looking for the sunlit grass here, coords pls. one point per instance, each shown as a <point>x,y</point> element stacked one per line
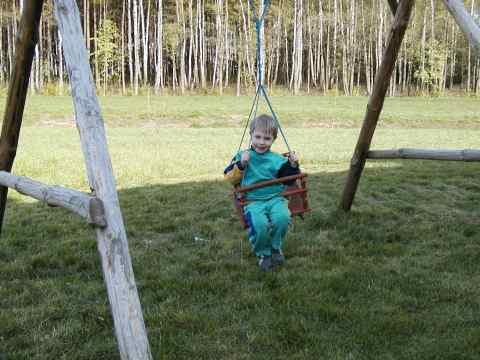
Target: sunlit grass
<point>229,111</point>
<point>397,278</point>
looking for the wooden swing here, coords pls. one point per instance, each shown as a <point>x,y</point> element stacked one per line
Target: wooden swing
<point>296,193</point>
<point>296,185</point>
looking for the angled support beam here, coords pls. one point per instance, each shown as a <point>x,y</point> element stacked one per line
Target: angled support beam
<point>88,207</point>
<point>426,154</point>
<point>464,20</point>
<point>375,103</point>
<point>111,240</point>
<point>27,39</point>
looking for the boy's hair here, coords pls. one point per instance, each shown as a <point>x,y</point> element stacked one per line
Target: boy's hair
<point>266,124</point>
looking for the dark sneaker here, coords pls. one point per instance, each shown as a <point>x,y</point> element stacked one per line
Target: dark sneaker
<point>265,263</point>
<point>277,257</point>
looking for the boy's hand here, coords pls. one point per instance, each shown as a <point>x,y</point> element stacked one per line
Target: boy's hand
<point>293,158</point>
<point>245,158</point>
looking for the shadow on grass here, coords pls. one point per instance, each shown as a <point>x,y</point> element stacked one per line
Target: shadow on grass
<point>395,278</point>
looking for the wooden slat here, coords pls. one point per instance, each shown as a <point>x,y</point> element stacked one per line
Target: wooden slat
<point>426,154</point>
<point>88,207</point>
<point>17,92</point>
<point>112,240</point>
<point>268,183</point>
<point>375,103</point>
<point>287,193</point>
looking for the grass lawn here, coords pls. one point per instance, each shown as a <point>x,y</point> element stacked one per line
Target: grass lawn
<point>228,111</point>
<point>397,278</point>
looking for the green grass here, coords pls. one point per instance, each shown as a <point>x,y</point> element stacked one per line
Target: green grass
<point>397,278</point>
<point>228,111</point>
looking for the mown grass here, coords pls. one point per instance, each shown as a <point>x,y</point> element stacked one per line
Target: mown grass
<point>397,278</point>
<point>228,111</point>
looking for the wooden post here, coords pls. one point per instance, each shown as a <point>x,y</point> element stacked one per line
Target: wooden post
<point>375,104</point>
<point>426,154</point>
<point>87,206</point>
<point>27,39</point>
<point>465,22</point>
<point>112,240</point>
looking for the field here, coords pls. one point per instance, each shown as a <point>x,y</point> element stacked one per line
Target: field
<point>396,278</point>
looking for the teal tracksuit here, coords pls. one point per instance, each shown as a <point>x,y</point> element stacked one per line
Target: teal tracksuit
<point>267,214</point>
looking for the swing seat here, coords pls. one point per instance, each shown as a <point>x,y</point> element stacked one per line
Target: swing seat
<point>296,194</point>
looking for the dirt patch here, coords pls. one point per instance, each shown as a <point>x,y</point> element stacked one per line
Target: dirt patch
<point>64,122</point>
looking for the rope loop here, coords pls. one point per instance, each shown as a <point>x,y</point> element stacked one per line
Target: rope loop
<point>260,88</point>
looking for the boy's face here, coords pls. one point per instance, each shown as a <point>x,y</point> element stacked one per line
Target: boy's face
<point>261,141</point>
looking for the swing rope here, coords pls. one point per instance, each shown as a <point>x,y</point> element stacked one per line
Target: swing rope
<point>260,88</point>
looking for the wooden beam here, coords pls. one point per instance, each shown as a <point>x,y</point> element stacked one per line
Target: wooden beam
<point>26,41</point>
<point>375,103</point>
<point>88,207</point>
<point>426,154</point>
<point>464,20</point>
<point>111,240</point>
<point>270,182</point>
<point>393,6</point>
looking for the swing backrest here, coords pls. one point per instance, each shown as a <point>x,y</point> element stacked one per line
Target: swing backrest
<point>296,193</point>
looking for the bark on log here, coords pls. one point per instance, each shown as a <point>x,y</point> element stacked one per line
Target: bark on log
<point>426,154</point>
<point>88,207</point>
<point>112,240</point>
<point>465,22</point>
<point>375,104</point>
<point>17,92</point>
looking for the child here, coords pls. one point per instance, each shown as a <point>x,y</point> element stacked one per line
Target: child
<point>267,214</point>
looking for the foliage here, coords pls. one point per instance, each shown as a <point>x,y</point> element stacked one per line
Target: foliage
<point>434,64</point>
<point>339,32</point>
<point>107,48</point>
<point>172,34</point>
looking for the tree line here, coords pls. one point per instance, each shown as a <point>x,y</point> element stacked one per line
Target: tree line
<point>327,46</point>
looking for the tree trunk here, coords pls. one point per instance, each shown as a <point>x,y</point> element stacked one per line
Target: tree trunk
<point>95,48</point>
<point>159,80</point>
<point>181,20</point>
<point>60,63</point>
<point>226,60</point>
<point>190,43</point>
<point>136,47</point>
<point>202,45</point>
<point>122,60</point>
<point>217,43</point>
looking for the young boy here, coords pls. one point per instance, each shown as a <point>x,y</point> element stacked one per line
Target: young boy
<point>267,214</point>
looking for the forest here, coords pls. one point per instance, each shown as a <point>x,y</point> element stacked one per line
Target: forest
<point>209,46</point>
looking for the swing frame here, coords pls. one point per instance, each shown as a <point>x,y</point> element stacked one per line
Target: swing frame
<point>295,193</point>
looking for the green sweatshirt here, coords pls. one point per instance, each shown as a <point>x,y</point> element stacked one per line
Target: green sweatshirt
<point>261,167</point>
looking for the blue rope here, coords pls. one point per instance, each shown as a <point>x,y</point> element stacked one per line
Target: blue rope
<point>258,26</point>
<point>275,118</point>
<point>255,102</point>
<point>260,87</point>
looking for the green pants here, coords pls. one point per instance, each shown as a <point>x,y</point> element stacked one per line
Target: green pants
<point>267,224</point>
